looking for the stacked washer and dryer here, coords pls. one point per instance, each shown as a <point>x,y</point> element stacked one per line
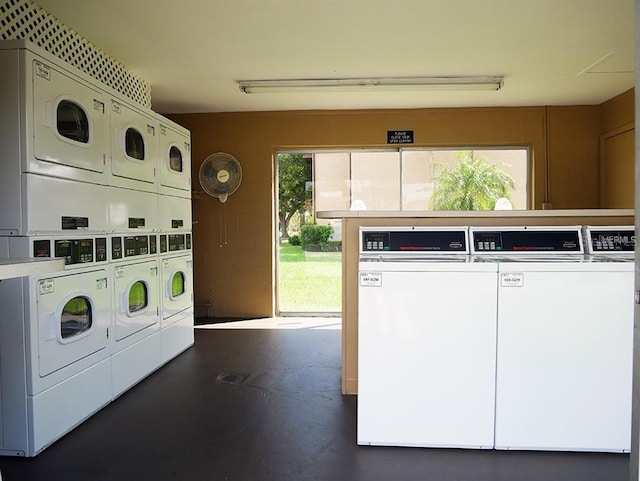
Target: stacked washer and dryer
<point>93,177</point>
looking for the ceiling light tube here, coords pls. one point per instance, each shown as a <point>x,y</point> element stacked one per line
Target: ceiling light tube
<point>370,84</point>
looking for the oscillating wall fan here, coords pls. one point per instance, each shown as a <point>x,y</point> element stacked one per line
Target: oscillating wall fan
<point>220,175</point>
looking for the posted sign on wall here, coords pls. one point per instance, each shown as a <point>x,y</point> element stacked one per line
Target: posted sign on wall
<point>399,136</point>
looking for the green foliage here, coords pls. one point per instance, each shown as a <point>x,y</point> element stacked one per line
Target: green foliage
<point>473,184</point>
<point>293,174</point>
<point>294,240</point>
<point>312,234</point>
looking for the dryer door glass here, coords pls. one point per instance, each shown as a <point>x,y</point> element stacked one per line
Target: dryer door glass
<point>72,121</point>
<point>76,318</point>
<point>175,159</point>
<point>134,144</point>
<point>177,285</point>
<point>138,297</point>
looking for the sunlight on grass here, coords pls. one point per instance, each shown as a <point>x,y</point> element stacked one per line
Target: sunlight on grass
<point>310,281</point>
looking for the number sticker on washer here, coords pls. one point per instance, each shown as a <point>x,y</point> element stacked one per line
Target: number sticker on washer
<point>511,279</point>
<point>45,286</point>
<point>101,283</point>
<point>370,279</point>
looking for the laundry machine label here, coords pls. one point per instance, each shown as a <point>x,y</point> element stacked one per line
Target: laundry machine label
<point>370,279</point>
<point>42,71</point>
<point>45,286</point>
<point>511,279</point>
<point>118,272</point>
<point>101,283</point>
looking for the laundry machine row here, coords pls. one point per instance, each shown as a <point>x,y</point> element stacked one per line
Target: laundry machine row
<point>72,341</point>
<point>105,183</point>
<point>551,327</point>
<point>61,128</point>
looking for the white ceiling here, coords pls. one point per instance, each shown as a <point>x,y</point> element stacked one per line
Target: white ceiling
<point>193,52</point>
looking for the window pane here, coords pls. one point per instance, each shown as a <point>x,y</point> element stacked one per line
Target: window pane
<point>375,180</point>
<point>76,317</point>
<point>138,297</point>
<point>331,181</point>
<point>134,144</point>
<point>482,176</point>
<point>72,121</point>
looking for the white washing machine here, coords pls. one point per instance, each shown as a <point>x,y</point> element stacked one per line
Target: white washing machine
<point>56,113</point>
<point>564,351</point>
<point>176,294</point>
<point>174,153</point>
<point>135,323</point>
<point>55,369</point>
<point>134,146</point>
<point>426,339</point>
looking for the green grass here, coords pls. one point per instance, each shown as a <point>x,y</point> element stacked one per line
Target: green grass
<point>310,281</point>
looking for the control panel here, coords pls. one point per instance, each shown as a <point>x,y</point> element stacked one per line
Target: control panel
<point>73,251</point>
<point>414,240</point>
<point>609,240</point>
<point>526,240</point>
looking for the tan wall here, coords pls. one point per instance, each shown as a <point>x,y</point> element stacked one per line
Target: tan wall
<point>617,154</point>
<point>234,242</point>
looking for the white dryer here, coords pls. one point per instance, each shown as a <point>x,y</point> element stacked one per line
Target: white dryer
<point>564,351</point>
<point>56,114</point>
<point>55,369</point>
<point>426,339</point>
<point>176,294</point>
<point>174,153</point>
<point>134,154</point>
<point>135,319</point>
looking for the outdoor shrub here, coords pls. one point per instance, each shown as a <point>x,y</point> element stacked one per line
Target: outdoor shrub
<point>294,240</point>
<point>312,234</point>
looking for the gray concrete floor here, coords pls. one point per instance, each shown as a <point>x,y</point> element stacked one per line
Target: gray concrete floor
<point>261,401</point>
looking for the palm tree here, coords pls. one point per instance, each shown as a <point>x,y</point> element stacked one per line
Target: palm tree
<point>473,184</point>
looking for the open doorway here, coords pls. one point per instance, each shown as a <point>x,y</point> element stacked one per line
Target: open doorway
<point>309,251</point>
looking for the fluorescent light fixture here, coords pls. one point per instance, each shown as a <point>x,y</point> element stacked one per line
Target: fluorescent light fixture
<point>372,84</point>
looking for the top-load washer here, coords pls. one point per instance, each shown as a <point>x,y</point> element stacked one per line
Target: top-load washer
<point>564,345</point>
<point>426,339</point>
<point>174,154</point>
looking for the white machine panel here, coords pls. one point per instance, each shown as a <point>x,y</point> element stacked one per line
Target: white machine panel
<point>426,360</point>
<point>174,151</point>
<point>52,205</point>
<point>564,357</point>
<point>133,147</point>
<point>132,210</point>
<point>174,214</point>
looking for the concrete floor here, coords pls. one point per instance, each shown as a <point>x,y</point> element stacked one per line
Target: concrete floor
<point>260,401</point>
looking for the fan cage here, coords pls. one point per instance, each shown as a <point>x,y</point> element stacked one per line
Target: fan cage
<point>209,170</point>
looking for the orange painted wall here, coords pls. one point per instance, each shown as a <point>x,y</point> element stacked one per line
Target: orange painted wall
<point>234,242</point>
